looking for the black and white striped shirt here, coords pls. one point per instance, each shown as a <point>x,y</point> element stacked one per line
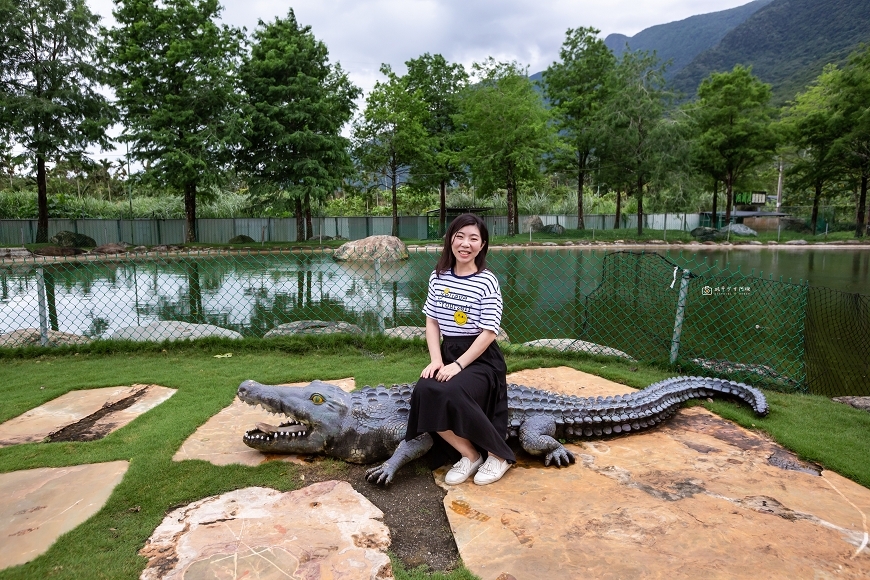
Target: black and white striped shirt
<point>464,305</point>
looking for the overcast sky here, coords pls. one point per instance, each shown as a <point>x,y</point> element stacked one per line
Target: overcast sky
<point>362,34</point>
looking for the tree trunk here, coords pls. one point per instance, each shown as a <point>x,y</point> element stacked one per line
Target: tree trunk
<point>516,197</point>
<point>581,178</point>
<point>442,208</point>
<point>394,178</point>
<point>814,219</point>
<point>300,220</point>
<point>713,220</point>
<point>309,228</point>
<point>512,217</point>
<point>862,206</point>
<point>639,206</point>
<point>729,196</point>
<point>41,201</point>
<point>618,208</point>
<point>189,211</point>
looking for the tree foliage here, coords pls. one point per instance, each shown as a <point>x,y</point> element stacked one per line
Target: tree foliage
<point>296,105</point>
<point>174,72</point>
<point>49,101</point>
<point>506,130</point>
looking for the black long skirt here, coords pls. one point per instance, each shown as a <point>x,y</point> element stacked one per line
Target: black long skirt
<point>472,404</point>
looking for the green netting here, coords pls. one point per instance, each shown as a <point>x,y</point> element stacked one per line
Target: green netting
<point>640,305</point>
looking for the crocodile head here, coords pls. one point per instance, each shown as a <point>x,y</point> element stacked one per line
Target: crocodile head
<point>312,416</point>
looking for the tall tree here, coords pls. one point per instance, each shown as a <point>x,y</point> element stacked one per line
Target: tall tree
<point>296,105</point>
<point>174,72</point>
<point>576,86</point>
<point>638,137</point>
<point>809,126</point>
<point>732,125</point>
<point>48,85</point>
<point>390,138</point>
<point>851,121</point>
<point>506,129</point>
<point>439,84</point>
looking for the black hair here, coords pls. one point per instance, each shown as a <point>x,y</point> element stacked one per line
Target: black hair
<point>447,260</point>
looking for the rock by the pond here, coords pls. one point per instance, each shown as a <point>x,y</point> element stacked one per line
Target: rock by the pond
<point>32,337</point>
<point>420,332</point>
<point>383,248</point>
<point>325,530</point>
<point>241,239</point>
<point>171,330</point>
<point>706,234</point>
<point>113,248</point>
<point>38,505</point>
<point>534,223</point>
<point>67,239</point>
<point>555,229</point>
<point>796,243</point>
<point>15,253</point>
<point>57,251</point>
<point>739,230</point>
<point>314,327</point>
<point>574,345</point>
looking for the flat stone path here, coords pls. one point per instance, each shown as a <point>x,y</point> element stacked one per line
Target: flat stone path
<point>697,497</point>
<point>323,531</point>
<point>38,505</point>
<point>70,408</point>
<point>219,440</point>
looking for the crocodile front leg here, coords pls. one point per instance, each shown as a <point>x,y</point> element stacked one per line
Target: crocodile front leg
<point>406,451</point>
<point>536,437</point>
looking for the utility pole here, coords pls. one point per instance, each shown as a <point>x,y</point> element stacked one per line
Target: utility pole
<point>779,187</point>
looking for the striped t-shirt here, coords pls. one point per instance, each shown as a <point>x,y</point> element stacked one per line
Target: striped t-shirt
<point>464,305</point>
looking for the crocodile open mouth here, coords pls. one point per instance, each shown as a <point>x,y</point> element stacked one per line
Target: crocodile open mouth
<point>286,431</point>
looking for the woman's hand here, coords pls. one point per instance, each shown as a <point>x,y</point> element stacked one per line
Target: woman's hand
<point>447,372</point>
<point>431,370</point>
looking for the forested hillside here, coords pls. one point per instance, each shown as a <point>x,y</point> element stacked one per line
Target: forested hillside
<point>787,43</point>
<point>682,41</point>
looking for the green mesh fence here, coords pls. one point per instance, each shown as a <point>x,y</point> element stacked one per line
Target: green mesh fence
<point>636,305</point>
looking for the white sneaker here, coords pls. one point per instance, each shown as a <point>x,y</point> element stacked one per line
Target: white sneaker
<point>491,471</point>
<point>462,470</point>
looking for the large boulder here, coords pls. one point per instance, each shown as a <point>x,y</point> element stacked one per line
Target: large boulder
<point>555,229</point>
<point>383,248</point>
<point>171,330</point>
<point>739,230</point>
<point>241,239</point>
<point>705,234</point>
<point>534,223</point>
<point>67,239</point>
<point>314,327</point>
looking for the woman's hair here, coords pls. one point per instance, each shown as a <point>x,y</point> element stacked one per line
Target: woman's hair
<point>447,259</point>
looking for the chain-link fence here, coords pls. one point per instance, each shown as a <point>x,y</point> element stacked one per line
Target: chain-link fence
<point>637,305</point>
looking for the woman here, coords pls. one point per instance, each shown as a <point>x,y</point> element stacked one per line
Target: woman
<point>462,393</point>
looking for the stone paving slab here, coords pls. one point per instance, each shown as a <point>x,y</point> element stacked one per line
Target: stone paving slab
<point>695,498</point>
<point>37,424</point>
<point>219,440</point>
<point>323,531</point>
<point>39,505</point>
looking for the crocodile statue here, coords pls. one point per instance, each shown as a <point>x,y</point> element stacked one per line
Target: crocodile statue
<point>368,425</point>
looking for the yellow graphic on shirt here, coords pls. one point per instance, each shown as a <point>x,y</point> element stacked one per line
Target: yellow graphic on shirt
<point>460,317</point>
<point>446,291</point>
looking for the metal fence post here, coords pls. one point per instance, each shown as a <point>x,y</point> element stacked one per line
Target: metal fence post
<point>43,309</point>
<point>681,312</point>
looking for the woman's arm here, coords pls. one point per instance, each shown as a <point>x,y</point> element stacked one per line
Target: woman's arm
<point>433,341</point>
<point>480,344</point>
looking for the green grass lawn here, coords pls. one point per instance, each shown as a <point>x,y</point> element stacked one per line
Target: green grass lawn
<point>106,545</point>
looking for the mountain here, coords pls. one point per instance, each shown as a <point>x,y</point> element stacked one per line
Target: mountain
<point>787,43</point>
<point>682,41</point>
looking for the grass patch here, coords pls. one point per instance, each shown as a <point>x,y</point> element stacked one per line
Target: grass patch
<point>106,545</point>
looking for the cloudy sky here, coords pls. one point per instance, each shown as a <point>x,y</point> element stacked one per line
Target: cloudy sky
<point>362,34</point>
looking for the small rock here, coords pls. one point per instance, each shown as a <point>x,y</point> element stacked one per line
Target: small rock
<point>241,239</point>
<point>57,251</point>
<point>754,243</point>
<point>32,337</point>
<point>739,230</point>
<point>171,330</point>
<point>772,243</point>
<point>113,248</point>
<point>796,243</point>
<point>549,244</point>
<point>555,229</point>
<point>314,327</point>
<point>15,253</point>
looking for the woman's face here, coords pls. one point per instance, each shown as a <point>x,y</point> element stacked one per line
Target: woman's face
<point>466,245</point>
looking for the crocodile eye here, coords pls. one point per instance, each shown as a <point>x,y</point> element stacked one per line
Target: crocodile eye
<point>317,399</point>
